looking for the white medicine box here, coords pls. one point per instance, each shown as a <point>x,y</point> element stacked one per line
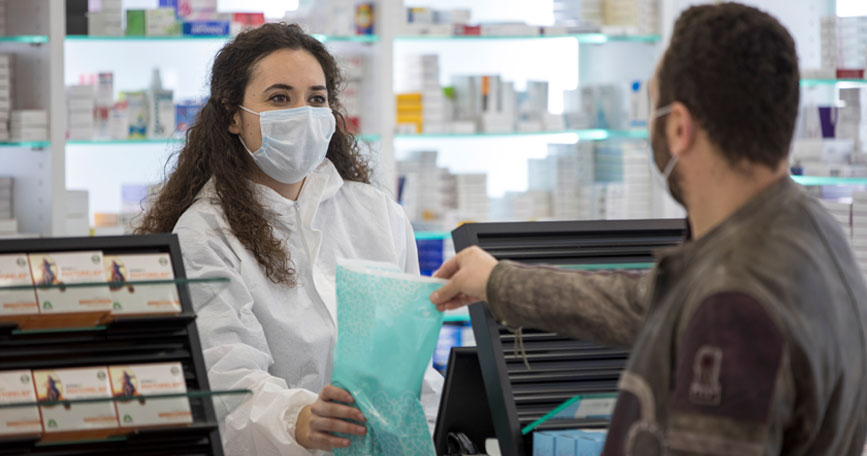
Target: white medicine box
<point>70,384</point>
<point>142,298</point>
<point>16,387</point>
<point>15,272</point>
<point>147,380</point>
<point>70,268</point>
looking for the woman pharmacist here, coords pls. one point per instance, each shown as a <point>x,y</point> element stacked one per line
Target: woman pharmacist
<point>270,191</point>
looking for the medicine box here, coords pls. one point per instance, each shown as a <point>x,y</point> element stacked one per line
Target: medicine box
<point>206,28</point>
<point>141,298</point>
<point>70,384</point>
<point>147,380</point>
<point>543,443</point>
<point>15,271</point>
<point>17,387</point>
<point>70,268</point>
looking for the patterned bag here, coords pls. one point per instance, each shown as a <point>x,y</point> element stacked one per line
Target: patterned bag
<point>387,331</point>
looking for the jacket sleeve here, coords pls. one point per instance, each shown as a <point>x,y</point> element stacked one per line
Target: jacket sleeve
<point>604,307</point>
<point>405,246</point>
<point>732,390</point>
<point>237,355</point>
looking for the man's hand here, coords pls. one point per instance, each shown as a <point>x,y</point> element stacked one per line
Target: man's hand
<point>317,422</point>
<point>468,273</point>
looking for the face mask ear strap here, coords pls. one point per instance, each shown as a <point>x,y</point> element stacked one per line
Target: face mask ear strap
<point>669,168</point>
<point>251,112</point>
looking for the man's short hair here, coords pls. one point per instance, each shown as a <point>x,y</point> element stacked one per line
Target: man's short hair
<point>736,70</point>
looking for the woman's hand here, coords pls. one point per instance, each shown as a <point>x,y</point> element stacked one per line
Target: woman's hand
<point>317,422</point>
<point>467,273</point>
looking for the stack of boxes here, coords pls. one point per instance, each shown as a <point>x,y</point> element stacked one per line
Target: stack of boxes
<point>29,125</point>
<point>426,191</point>
<point>637,182</point>
<point>108,20</point>
<point>568,175</point>
<point>77,213</point>
<point>8,225</point>
<point>844,47</point>
<point>410,118</point>
<point>430,22</point>
<point>632,17</point>
<point>352,66</point>
<point>425,108</point>
<point>828,32</point>
<point>852,45</point>
<point>579,14</point>
<point>859,229</point>
<point>472,196</point>
<point>80,104</point>
<point>584,442</point>
<point>5,94</point>
<point>153,22</point>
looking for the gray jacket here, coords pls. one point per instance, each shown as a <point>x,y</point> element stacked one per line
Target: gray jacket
<point>751,340</point>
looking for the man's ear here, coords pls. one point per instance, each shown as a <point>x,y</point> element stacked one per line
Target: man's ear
<point>680,129</point>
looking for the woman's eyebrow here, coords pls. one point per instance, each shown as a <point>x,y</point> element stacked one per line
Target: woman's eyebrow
<point>279,86</point>
<point>318,87</point>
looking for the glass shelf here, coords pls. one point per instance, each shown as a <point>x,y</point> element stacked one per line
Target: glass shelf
<point>27,144</point>
<point>189,394</point>
<point>589,38</point>
<point>583,135</point>
<point>817,181</point>
<point>119,142</point>
<point>174,140</point>
<point>368,138</point>
<point>461,315</point>
<point>221,280</point>
<point>811,82</point>
<point>432,235</point>
<point>32,39</point>
<point>320,37</point>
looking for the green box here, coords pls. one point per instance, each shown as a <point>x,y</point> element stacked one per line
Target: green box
<point>135,22</point>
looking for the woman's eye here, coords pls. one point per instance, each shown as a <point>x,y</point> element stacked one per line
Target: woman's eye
<point>279,98</point>
<point>318,99</point>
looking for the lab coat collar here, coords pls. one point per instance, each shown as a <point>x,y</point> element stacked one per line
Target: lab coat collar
<point>320,185</point>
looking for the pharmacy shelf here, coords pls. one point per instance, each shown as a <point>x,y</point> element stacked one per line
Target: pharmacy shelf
<point>583,135</point>
<point>818,181</point>
<point>26,144</point>
<point>587,38</point>
<point>323,38</point>
<point>176,140</point>
<point>31,39</point>
<point>93,400</point>
<point>811,82</point>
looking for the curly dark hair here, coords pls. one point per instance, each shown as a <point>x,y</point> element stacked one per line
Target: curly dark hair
<point>211,151</point>
<point>736,70</point>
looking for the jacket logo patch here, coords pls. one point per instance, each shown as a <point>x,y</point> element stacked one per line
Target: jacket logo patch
<point>705,388</point>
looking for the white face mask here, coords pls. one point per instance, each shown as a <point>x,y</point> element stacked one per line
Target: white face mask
<point>660,177</point>
<point>294,141</point>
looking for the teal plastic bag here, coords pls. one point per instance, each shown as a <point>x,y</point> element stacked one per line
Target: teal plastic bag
<point>387,331</point>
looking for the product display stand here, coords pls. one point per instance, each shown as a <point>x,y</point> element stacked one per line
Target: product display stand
<point>560,368</point>
<point>118,341</point>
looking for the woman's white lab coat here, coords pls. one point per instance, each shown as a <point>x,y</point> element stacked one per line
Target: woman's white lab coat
<point>274,339</point>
